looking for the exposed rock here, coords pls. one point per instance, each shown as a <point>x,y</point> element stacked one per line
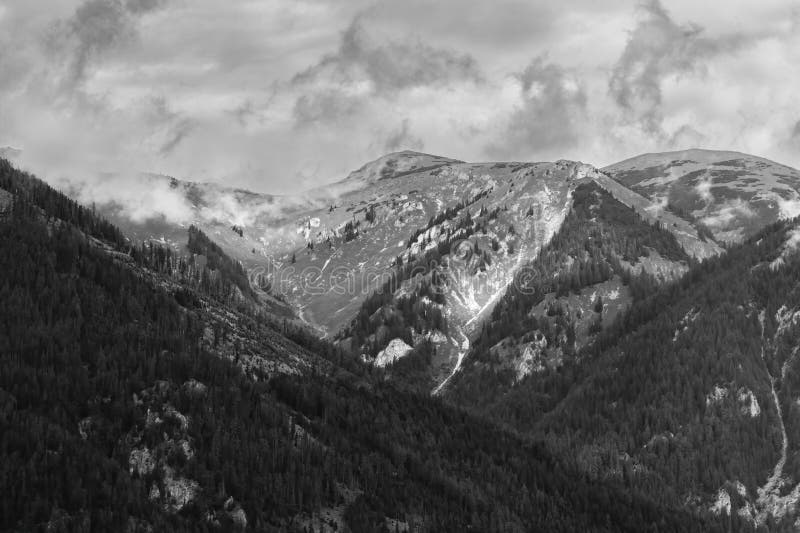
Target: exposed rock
<point>141,462</point>
<point>84,427</point>
<point>723,503</point>
<point>171,412</point>
<point>195,388</point>
<point>396,349</point>
<point>179,491</point>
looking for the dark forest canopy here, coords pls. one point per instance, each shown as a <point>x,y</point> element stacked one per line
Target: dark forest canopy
<point>118,414</point>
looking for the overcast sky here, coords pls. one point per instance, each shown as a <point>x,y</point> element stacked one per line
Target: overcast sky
<point>283,95</point>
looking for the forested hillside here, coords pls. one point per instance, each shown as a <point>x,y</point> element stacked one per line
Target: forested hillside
<point>133,399</point>
<point>690,395</point>
<point>603,257</point>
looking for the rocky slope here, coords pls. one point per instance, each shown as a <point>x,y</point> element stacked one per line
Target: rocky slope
<point>141,391</point>
<point>324,253</point>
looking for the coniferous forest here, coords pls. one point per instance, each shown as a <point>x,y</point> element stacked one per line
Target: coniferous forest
<point>121,409</point>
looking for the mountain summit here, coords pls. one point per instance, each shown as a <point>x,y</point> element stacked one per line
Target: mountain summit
<point>732,194</point>
<point>398,164</point>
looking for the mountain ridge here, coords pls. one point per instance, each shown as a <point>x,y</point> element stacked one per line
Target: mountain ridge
<point>154,406</point>
<point>386,211</point>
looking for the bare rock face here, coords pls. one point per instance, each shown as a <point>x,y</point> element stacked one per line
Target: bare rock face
<point>396,349</point>
<point>170,489</point>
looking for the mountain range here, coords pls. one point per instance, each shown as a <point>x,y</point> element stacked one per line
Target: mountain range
<point>425,345</point>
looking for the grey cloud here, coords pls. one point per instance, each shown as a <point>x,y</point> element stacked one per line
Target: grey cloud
<point>143,6</point>
<point>173,127</point>
<point>686,137</point>
<point>391,66</point>
<point>402,139</point>
<point>796,131</point>
<point>95,27</point>
<point>329,105</point>
<point>177,133</point>
<point>553,105</point>
<point>658,48</point>
<point>388,67</point>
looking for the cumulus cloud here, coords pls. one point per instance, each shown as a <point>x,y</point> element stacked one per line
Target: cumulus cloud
<point>390,66</point>
<point>364,66</point>
<point>549,117</point>
<point>96,27</point>
<point>659,48</point>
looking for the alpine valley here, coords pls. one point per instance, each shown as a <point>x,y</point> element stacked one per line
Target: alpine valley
<point>424,345</point>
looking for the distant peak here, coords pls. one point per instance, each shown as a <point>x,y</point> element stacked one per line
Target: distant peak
<point>696,155</point>
<point>396,164</point>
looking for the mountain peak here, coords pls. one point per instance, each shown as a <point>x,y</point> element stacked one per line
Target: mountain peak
<point>731,193</point>
<point>397,164</point>
<point>691,155</point>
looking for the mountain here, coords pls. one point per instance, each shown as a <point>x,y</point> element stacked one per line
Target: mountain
<point>416,249</point>
<point>690,393</point>
<point>142,389</point>
<point>326,252</point>
<point>734,195</point>
<point>398,164</point>
<point>601,357</point>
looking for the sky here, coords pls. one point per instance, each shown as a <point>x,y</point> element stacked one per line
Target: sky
<point>280,96</point>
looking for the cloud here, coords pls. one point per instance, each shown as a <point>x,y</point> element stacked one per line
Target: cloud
<point>364,67</point>
<point>143,6</point>
<point>728,212</point>
<point>796,132</point>
<point>402,139</point>
<point>135,196</point>
<point>703,190</point>
<point>96,27</point>
<point>550,115</point>
<point>169,127</point>
<point>659,48</point>
<point>390,66</point>
<point>686,137</point>
<point>328,105</point>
